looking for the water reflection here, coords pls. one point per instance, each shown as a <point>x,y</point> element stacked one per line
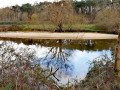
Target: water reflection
<point>71,58</point>
<point>59,58</point>
<point>89,45</point>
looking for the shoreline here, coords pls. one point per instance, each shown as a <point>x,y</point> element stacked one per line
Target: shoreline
<point>49,35</point>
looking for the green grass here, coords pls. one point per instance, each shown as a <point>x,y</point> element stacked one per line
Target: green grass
<point>47,26</point>
<point>89,29</point>
<point>83,27</point>
<point>10,23</point>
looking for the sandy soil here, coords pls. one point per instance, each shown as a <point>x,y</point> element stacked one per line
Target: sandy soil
<point>47,35</point>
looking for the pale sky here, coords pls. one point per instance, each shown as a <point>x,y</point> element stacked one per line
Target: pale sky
<point>5,3</point>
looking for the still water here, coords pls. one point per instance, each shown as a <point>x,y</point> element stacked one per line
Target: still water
<point>71,58</point>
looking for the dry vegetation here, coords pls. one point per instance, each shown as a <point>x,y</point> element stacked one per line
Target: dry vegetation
<point>19,72</point>
<point>105,15</point>
<point>108,19</point>
<point>100,76</point>
<point>59,14</point>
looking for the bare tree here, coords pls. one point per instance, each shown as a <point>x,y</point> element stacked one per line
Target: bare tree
<point>59,13</point>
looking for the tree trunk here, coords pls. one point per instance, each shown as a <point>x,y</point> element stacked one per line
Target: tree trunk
<point>117,61</point>
<point>21,14</point>
<point>60,27</point>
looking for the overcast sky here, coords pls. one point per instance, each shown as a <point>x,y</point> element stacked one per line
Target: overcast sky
<point>5,3</point>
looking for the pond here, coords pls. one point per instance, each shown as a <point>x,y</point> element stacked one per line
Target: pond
<point>69,58</point>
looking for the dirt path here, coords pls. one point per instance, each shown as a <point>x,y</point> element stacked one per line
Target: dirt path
<point>47,35</point>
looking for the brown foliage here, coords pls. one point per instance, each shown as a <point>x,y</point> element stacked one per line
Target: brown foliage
<point>61,13</point>
<point>6,14</point>
<point>108,19</point>
<point>18,73</point>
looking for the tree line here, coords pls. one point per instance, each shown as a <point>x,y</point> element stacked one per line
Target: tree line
<point>88,7</point>
<point>63,12</point>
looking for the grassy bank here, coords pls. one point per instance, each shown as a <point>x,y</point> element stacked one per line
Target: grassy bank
<point>50,28</point>
<point>75,27</point>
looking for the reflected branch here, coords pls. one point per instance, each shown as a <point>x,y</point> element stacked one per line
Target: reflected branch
<point>58,57</point>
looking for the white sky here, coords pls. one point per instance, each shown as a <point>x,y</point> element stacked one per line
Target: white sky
<point>5,3</point>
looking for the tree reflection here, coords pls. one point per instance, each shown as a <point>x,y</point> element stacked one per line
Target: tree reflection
<point>88,45</point>
<point>58,57</point>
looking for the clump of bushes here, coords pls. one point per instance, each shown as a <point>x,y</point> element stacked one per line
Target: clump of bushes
<point>13,28</point>
<point>108,19</point>
<point>16,28</point>
<point>100,76</point>
<point>19,72</point>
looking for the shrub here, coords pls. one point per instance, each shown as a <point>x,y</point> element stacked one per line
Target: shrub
<point>19,72</point>
<point>108,19</point>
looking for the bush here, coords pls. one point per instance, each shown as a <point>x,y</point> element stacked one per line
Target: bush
<point>100,76</point>
<point>19,72</point>
<point>13,28</point>
<point>108,19</point>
